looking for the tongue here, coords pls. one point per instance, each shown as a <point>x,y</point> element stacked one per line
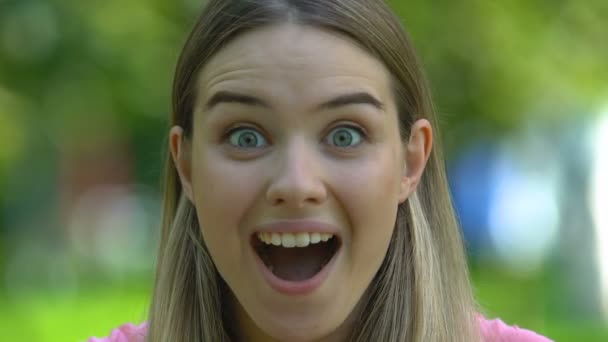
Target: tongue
<point>297,264</point>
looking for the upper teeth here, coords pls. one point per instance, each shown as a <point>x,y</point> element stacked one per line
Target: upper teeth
<point>290,240</point>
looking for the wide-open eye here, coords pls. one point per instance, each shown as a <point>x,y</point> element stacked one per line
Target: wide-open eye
<point>345,136</point>
<point>246,138</point>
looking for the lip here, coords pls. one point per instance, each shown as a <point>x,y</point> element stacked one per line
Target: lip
<point>297,226</point>
<point>296,288</point>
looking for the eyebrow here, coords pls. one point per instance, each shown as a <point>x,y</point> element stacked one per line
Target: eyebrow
<point>230,97</point>
<point>340,101</point>
<point>352,99</point>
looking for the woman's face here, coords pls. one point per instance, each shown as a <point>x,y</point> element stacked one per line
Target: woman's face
<point>296,168</point>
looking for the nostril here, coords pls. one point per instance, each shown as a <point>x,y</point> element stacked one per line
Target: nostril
<point>297,196</point>
<point>297,186</point>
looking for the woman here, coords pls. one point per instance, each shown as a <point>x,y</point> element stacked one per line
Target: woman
<point>305,197</point>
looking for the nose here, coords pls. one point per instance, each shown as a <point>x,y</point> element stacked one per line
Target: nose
<point>297,181</point>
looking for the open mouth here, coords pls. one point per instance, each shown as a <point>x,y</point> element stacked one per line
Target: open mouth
<point>295,257</point>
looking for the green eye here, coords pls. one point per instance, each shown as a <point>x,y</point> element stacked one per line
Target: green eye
<point>246,138</point>
<point>345,137</point>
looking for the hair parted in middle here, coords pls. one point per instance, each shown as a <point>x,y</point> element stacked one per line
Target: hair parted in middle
<point>421,291</point>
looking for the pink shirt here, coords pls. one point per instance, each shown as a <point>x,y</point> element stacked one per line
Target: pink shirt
<point>497,331</point>
<point>491,331</point>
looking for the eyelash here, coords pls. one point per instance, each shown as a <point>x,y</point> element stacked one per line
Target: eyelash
<point>357,128</point>
<point>361,131</point>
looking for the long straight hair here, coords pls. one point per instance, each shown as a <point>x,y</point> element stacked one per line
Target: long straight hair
<point>421,291</point>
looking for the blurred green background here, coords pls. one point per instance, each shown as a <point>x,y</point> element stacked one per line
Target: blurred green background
<point>522,92</point>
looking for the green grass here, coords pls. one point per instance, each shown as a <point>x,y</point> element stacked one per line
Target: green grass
<point>533,302</point>
<point>95,311</point>
<point>44,317</point>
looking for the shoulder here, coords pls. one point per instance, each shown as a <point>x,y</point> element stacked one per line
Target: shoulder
<point>125,333</point>
<point>497,331</point>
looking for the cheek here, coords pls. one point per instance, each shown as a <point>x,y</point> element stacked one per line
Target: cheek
<point>370,197</point>
<point>371,185</point>
<point>223,192</point>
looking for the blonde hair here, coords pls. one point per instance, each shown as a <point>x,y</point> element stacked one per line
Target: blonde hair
<point>421,291</point>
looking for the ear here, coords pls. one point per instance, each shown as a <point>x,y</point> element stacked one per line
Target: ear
<point>182,158</point>
<point>416,155</point>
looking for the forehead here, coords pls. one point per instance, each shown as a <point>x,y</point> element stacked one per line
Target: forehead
<point>296,59</point>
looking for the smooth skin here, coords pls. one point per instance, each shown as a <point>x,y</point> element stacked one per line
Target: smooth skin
<point>294,122</point>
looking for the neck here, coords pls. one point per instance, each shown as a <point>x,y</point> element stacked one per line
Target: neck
<point>247,330</point>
